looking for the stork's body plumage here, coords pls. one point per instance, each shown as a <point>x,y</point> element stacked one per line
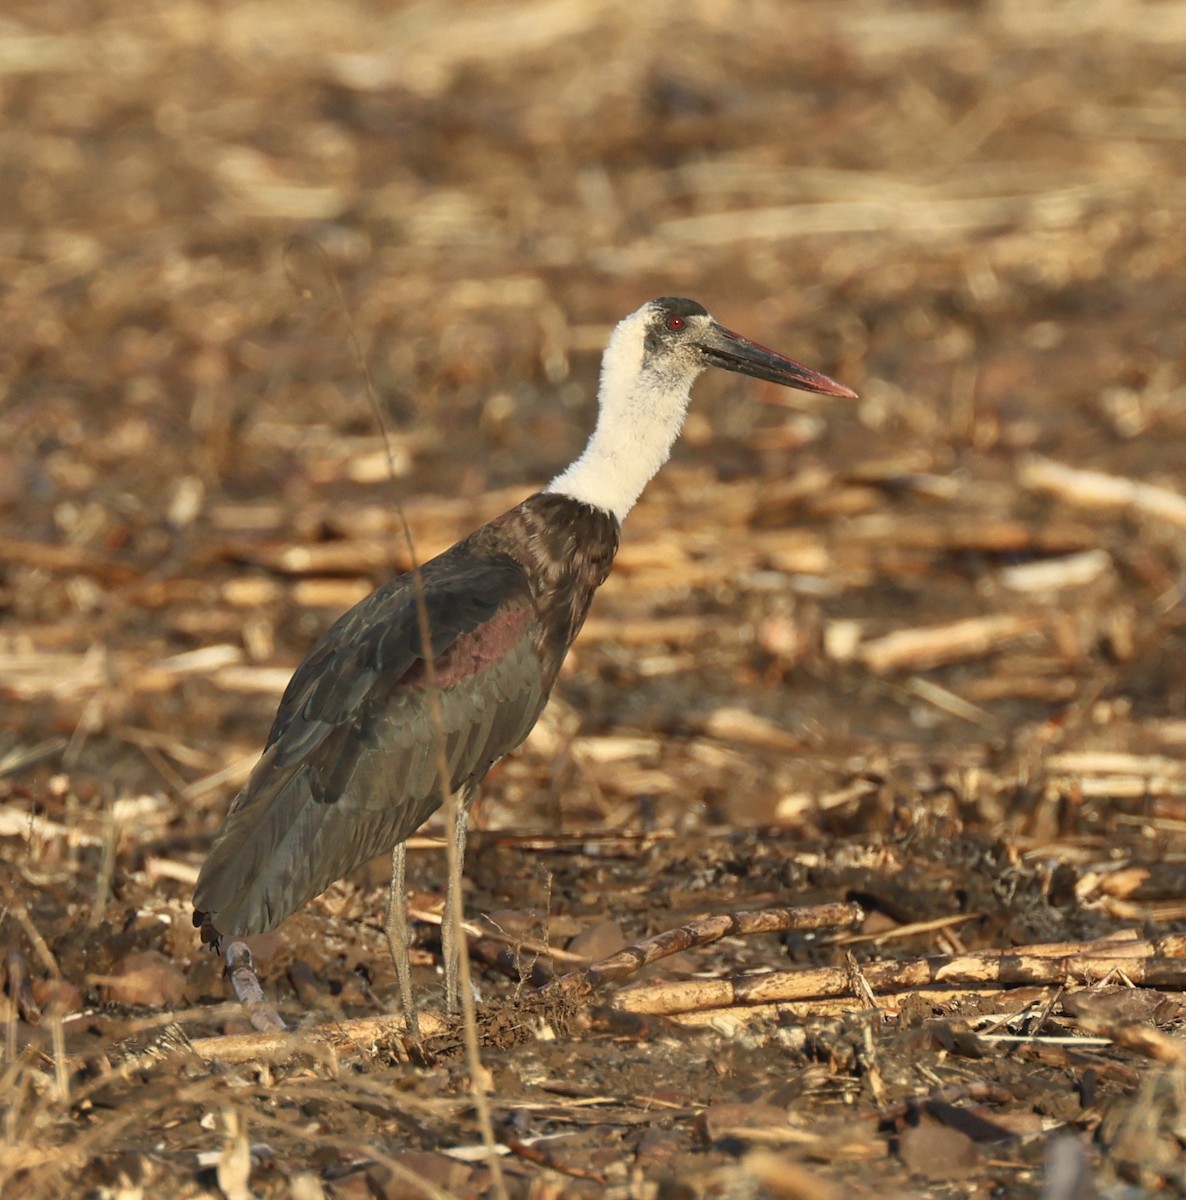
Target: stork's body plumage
<point>350,768</point>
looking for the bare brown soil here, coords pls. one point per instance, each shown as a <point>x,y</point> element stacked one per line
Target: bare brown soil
<point>923,652</point>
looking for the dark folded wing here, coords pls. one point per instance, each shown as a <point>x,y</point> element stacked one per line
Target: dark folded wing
<point>351,763</point>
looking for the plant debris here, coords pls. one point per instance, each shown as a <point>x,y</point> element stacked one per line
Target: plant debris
<point>913,665</point>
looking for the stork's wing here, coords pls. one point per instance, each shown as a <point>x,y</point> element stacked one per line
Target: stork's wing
<point>351,764</point>
<point>380,638</point>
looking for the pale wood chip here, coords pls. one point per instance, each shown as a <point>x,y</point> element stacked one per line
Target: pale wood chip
<point>1095,489</point>
<point>1057,574</point>
<point>939,645</point>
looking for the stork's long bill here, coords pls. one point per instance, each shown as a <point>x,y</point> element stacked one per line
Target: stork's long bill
<point>647,372</point>
<point>722,347</point>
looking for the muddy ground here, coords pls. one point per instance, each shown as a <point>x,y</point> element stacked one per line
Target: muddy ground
<point>922,652</point>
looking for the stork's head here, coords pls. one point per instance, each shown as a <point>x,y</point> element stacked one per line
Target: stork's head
<point>661,348</point>
<point>648,369</point>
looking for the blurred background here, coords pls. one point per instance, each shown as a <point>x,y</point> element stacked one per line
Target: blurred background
<point>225,225</point>
<point>233,236</point>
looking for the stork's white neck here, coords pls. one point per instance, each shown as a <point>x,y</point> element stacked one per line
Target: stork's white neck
<point>641,411</point>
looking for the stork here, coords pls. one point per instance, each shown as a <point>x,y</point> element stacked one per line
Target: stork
<point>351,766</point>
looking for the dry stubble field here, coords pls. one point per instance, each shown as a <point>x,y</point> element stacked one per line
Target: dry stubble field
<point>922,652</point>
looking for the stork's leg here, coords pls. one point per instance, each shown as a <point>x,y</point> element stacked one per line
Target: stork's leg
<point>399,936</point>
<point>450,946</point>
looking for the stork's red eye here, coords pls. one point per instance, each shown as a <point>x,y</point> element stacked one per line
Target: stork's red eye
<point>675,324</point>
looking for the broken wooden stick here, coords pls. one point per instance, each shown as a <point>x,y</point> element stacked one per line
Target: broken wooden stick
<point>1133,1035</point>
<point>937,645</point>
<point>700,933</point>
<point>241,969</point>
<point>20,988</point>
<point>357,1036</point>
<point>1160,963</point>
<point>1095,489</point>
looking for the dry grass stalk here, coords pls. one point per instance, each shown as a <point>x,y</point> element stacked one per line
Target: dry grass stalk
<point>489,932</point>
<point>456,814</point>
<point>905,931</point>
<point>947,700</point>
<point>233,773</point>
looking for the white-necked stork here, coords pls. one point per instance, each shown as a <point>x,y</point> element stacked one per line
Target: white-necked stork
<point>350,768</point>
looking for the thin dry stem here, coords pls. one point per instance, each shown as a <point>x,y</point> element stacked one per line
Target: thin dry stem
<point>452,809</point>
